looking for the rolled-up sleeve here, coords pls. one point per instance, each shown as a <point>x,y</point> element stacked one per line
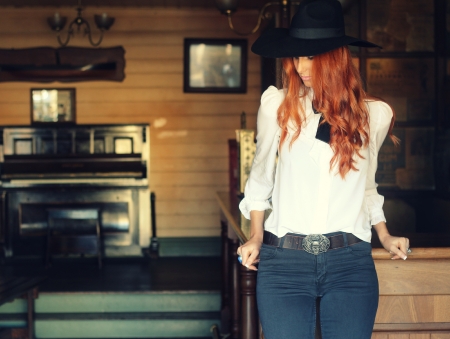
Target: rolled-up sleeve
<point>259,186</point>
<point>380,120</point>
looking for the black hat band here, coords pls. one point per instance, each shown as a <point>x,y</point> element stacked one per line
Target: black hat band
<point>316,33</point>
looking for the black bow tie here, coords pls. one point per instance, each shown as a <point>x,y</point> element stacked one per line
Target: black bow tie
<point>323,130</point>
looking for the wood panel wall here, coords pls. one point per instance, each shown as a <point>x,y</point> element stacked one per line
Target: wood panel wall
<point>189,132</point>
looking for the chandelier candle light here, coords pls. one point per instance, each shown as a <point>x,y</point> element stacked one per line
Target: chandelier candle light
<point>228,7</point>
<point>57,23</point>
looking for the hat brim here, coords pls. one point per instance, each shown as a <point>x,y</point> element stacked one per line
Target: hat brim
<point>277,43</point>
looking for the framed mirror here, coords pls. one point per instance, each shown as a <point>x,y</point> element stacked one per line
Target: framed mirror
<point>52,106</point>
<point>215,66</point>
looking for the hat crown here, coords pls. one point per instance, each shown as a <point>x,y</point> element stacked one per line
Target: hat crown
<point>317,27</point>
<point>319,14</point>
<point>318,19</point>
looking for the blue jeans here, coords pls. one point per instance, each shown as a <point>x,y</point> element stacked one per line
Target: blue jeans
<point>290,281</point>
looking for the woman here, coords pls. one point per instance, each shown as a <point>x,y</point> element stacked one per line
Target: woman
<point>327,132</point>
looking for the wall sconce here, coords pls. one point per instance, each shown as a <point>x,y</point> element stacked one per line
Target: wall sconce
<point>57,23</point>
<point>228,7</point>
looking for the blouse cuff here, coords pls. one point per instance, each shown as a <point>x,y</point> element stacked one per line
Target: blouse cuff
<point>247,205</point>
<point>379,218</point>
<point>374,205</point>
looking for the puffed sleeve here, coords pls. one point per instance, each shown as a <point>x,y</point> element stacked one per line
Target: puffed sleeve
<point>259,186</point>
<point>380,120</point>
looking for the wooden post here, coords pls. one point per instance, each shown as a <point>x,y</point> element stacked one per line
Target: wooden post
<point>30,300</point>
<point>225,309</point>
<point>154,243</point>
<point>3,227</point>
<point>235,290</point>
<point>249,310</point>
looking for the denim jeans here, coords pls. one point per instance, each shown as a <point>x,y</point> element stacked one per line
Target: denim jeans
<point>290,281</point>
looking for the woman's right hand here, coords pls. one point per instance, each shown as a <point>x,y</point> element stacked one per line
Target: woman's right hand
<point>249,252</point>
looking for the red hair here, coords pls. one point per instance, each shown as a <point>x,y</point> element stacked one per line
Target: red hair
<point>339,96</point>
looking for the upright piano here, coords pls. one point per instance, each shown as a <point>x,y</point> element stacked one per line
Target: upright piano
<point>101,166</point>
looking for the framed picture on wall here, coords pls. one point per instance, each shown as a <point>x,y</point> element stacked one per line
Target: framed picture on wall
<point>215,65</point>
<point>52,105</point>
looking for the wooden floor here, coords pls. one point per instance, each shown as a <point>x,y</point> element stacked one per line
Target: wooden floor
<point>122,274</point>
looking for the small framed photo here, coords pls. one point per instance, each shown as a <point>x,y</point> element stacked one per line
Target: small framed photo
<point>52,106</point>
<point>215,65</point>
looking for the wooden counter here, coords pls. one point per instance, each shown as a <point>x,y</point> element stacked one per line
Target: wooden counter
<point>414,293</point>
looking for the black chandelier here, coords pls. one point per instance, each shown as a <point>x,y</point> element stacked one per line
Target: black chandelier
<point>228,7</point>
<point>57,23</point>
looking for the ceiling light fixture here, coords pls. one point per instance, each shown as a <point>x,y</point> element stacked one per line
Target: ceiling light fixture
<point>57,23</point>
<point>228,7</point>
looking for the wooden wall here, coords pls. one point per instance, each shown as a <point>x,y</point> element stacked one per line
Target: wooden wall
<point>189,132</point>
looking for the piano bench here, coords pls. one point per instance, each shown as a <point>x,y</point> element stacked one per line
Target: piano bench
<point>74,230</point>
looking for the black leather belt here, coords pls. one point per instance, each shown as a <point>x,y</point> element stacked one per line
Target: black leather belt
<point>313,243</point>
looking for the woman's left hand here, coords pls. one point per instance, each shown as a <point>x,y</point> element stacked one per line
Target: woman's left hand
<point>397,246</point>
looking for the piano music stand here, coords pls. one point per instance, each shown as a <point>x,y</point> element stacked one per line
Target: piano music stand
<point>64,240</point>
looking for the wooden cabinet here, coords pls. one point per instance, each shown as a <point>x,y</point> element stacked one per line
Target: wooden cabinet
<point>414,295</point>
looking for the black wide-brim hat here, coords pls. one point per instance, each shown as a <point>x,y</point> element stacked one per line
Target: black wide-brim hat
<point>316,28</point>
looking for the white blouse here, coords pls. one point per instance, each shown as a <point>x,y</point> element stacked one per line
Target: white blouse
<point>304,195</point>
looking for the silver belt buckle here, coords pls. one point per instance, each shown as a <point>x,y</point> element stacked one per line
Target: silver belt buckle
<point>316,243</point>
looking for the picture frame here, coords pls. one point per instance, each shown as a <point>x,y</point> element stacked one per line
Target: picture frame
<point>52,106</point>
<point>215,65</point>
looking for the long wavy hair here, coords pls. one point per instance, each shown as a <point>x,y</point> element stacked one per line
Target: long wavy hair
<point>339,96</point>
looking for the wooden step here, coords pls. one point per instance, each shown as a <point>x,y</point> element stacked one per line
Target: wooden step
<point>177,301</point>
<point>126,328</point>
<point>139,298</point>
<point>115,316</point>
<point>118,315</point>
<point>119,325</point>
